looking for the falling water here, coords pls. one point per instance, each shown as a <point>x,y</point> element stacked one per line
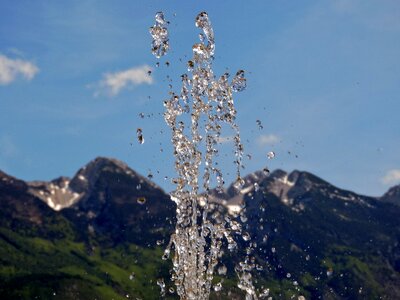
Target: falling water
<point>159,32</point>
<point>207,101</point>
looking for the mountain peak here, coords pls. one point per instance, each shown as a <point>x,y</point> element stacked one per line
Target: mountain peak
<point>87,176</point>
<point>64,192</point>
<point>293,189</point>
<point>392,195</point>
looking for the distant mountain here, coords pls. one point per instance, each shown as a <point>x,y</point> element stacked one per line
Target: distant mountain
<point>118,204</point>
<point>334,243</point>
<point>101,235</point>
<point>108,199</point>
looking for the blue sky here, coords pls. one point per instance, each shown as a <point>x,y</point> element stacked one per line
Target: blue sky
<point>323,77</point>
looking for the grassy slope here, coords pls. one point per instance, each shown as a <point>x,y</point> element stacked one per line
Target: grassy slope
<point>36,267</point>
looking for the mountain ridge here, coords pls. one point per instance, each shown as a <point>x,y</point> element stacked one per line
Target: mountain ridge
<point>63,192</point>
<point>312,238</point>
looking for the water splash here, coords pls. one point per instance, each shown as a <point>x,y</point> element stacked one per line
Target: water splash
<point>200,232</point>
<point>239,82</point>
<point>159,33</point>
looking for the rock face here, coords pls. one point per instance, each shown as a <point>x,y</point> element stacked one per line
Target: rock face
<point>57,193</point>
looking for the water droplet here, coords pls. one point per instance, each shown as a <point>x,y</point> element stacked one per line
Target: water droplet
<point>160,19</point>
<point>239,183</point>
<point>265,238</point>
<point>264,293</point>
<point>271,155</point>
<point>222,270</point>
<point>132,276</point>
<point>190,65</point>
<point>141,200</point>
<point>202,37</point>
<point>203,22</point>
<point>218,287</point>
<point>259,124</point>
<point>266,171</point>
<point>166,254</point>
<point>256,187</point>
<point>246,236</point>
<point>200,51</point>
<point>161,284</point>
<point>140,136</point>
<point>239,82</point>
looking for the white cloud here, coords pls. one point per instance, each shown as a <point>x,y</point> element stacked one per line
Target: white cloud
<point>10,69</point>
<point>391,176</point>
<point>113,83</point>
<point>267,139</point>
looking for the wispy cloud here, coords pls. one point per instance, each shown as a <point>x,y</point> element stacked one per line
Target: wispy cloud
<point>113,83</point>
<point>267,139</point>
<point>391,177</point>
<point>11,69</point>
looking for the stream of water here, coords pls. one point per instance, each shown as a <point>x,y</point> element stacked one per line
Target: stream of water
<point>196,116</point>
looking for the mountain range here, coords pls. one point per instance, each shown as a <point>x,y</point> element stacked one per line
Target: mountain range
<point>101,235</point>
